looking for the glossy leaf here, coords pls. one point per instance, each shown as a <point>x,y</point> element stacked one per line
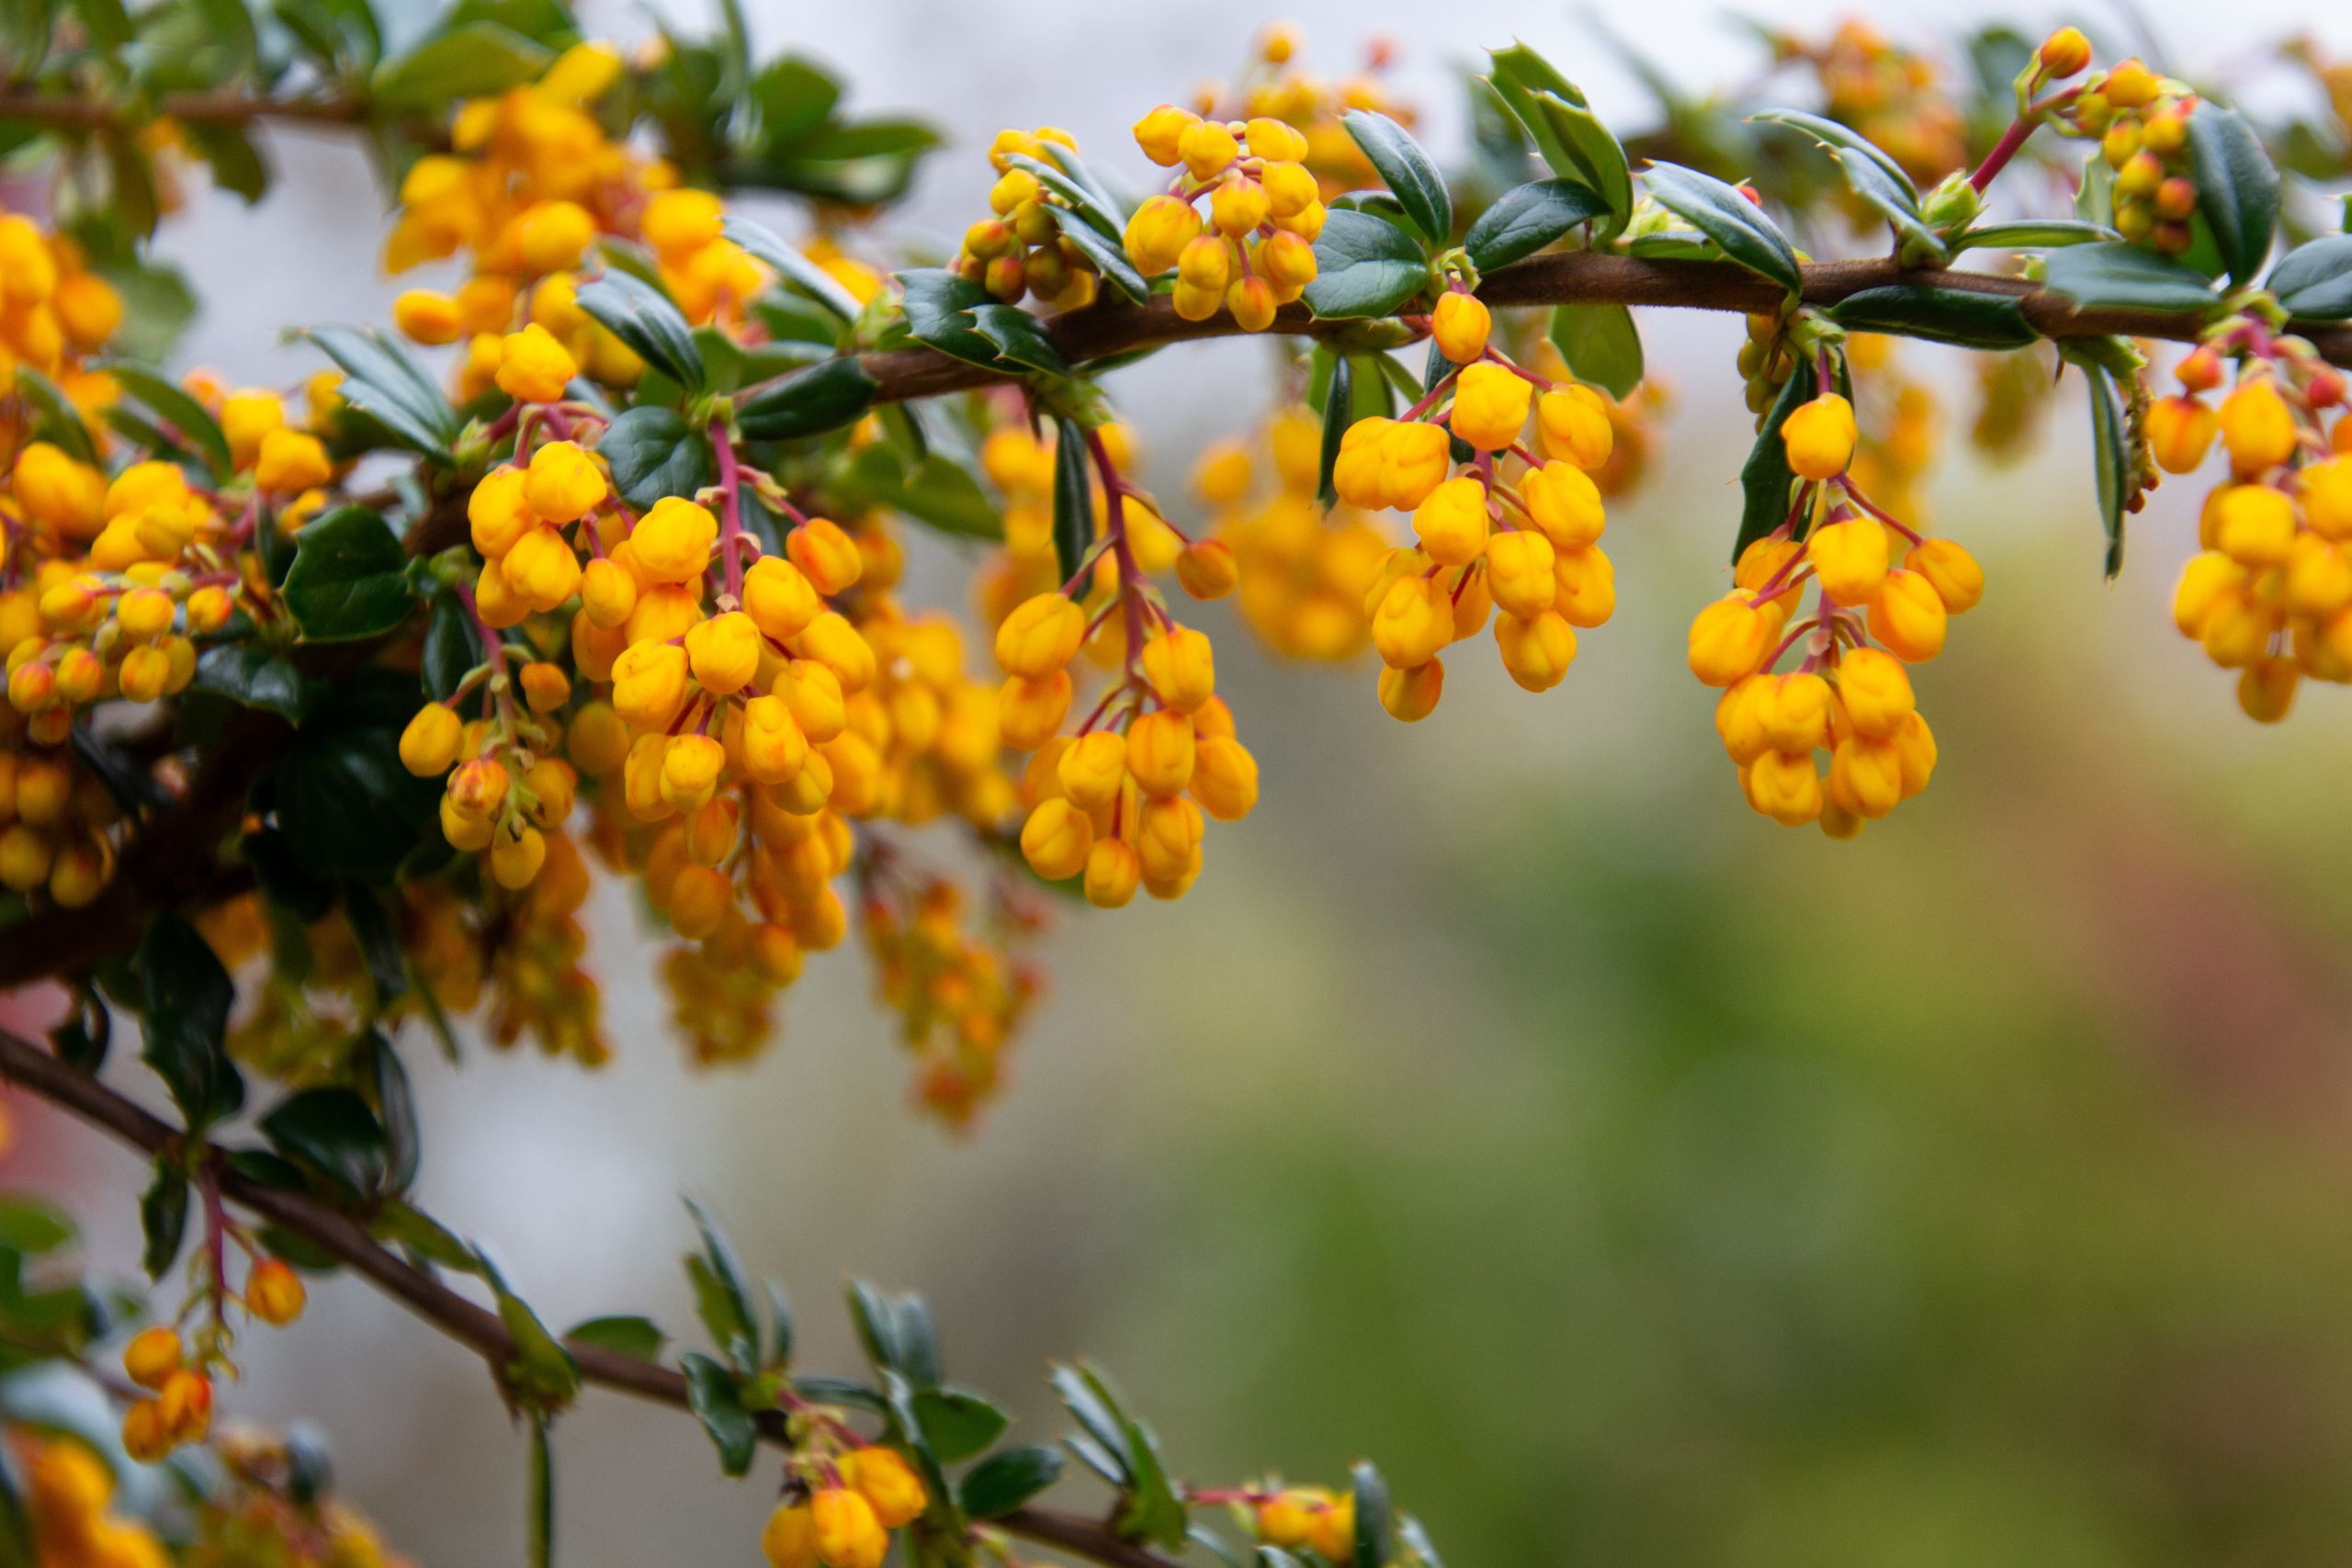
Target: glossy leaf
<point>1766,480</point>
<point>1737,225</point>
<point>722,1300</point>
<point>640,1338</point>
<point>1073,499</point>
<point>2126,277</point>
<point>2111,460</point>
<point>332,1130</point>
<point>185,996</point>
<point>1374,1526</point>
<point>181,412</point>
<point>473,60</point>
<point>2237,190</point>
<point>795,267</point>
<point>938,304</point>
<point>1407,171</point>
<point>826,396</point>
<point>1570,139</point>
<point>1019,339</point>
<point>162,1221</point>
<point>654,453</point>
<point>1958,316</point>
<point>1338,413</point>
<point>644,317</point>
<point>1869,174</point>
<point>1003,1481</point>
<point>2033,234</point>
<point>349,578</point>
<point>1601,344</point>
<point>1526,217</point>
<point>959,1423</point>
<point>1110,258</point>
<point>2314,279</point>
<point>711,1393</point>
<point>251,675</point>
<point>1366,266</point>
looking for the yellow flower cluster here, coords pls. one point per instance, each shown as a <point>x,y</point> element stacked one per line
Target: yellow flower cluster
<point>2140,121</point>
<point>1308,1519</point>
<point>177,1410</point>
<point>1275,87</point>
<point>1852,695</point>
<point>2270,594</point>
<point>839,1508</point>
<point>52,310</point>
<point>1513,531</point>
<point>1120,801</point>
<point>1256,252</point>
<point>1303,571</point>
<point>1019,250</point>
<point>958,995</point>
<point>67,1493</point>
<point>105,585</point>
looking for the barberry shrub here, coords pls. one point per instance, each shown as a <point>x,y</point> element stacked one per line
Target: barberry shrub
<point>326,706</point>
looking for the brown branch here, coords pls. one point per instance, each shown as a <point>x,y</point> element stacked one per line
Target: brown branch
<point>64,111</point>
<point>1570,277</point>
<point>477,1327</point>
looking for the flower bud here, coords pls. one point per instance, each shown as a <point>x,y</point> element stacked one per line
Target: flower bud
<point>1112,871</point>
<point>825,554</point>
<point>1537,650</point>
<point>1908,618</point>
<point>274,1292</point>
<point>1040,635</point>
<point>563,483</point>
<point>2257,427</point>
<point>1057,839</point>
<point>1490,405</point>
<point>1160,753</point>
<point>1849,558</point>
<point>1460,324</point>
<point>1576,425</point>
<point>429,744</point>
<point>1820,436</point>
<point>1784,786</point>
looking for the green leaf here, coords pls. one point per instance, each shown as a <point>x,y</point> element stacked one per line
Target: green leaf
<point>473,60</point>
<point>425,1236</point>
<point>1365,266</point>
<point>896,1333</point>
<point>1110,259</point>
<point>1338,413</point>
<point>643,317</point>
<point>939,307</point>
<point>1869,174</point>
<point>348,806</point>
<point>108,22</point>
<point>1737,225</point>
<point>794,95</point>
<point>452,648</point>
<point>959,1423</point>
<point>826,396</point>
<point>1003,1481</point>
<point>711,1393</point>
<point>1570,139</point>
<point>1073,499</point>
<point>184,1022</point>
<point>60,420</point>
<point>383,381</point>
<point>229,151</point>
<point>654,453</point>
<point>1601,344</point>
<point>2111,460</point>
<point>721,1299</point>
<point>31,1226</point>
<point>1095,1411</point>
<point>2237,190</point>
<point>349,580</point>
<point>1373,1533</point>
<point>2033,234</point>
<point>251,675</point>
<point>937,491</point>
<point>171,403</point>
<point>335,1130</point>
<point>542,1372</point>
<point>2314,279</point>
<point>1407,171</point>
<point>2126,277</point>
<point>1085,203</point>
<point>1766,479</point>
<point>795,269</point>
<point>540,1522</point>
<point>1525,219</point>
<point>1957,316</point>
<point>1019,338</point>
<point>640,1338</point>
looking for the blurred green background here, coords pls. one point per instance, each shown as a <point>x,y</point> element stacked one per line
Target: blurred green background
<point>1638,1182</point>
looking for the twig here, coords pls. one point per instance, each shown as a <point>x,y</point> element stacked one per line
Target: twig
<point>477,1327</point>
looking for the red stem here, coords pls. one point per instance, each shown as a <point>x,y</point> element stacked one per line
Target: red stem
<point>731,508</point>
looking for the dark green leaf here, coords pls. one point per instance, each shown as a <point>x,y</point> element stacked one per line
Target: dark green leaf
<point>1571,140</point>
<point>162,1220</point>
<point>721,1299</point>
<point>2314,279</point>
<point>1003,1481</point>
<point>1601,344</point>
<point>1073,499</point>
<point>2237,190</point>
<point>1085,204</point>
<point>1872,175</point>
<point>387,1078</point>
<point>1737,225</point>
<point>826,396</point>
<point>2033,234</point>
<point>452,647</point>
<point>1407,171</point>
<point>710,1390</point>
<point>643,317</point>
<point>332,1130</point>
<point>185,1021</point>
<point>1019,339</point>
<point>1957,316</point>
<point>2111,459</point>
<point>939,307</point>
<point>349,580</point>
<point>182,413</point>
<point>383,381</point>
<point>229,151</point>
<point>1110,259</point>
<point>1365,266</point>
<point>1766,480</point>
<point>1525,219</point>
<point>640,1338</point>
<point>959,1423</point>
<point>937,491</point>
<point>60,420</point>
<point>542,1370</point>
<point>2125,277</point>
<point>473,60</point>
<point>1338,413</point>
<point>344,801</point>
<point>796,269</point>
<point>794,95</point>
<point>654,453</point>
<point>1373,1535</point>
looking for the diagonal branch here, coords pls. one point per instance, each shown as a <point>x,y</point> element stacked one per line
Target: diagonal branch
<point>40,1072</point>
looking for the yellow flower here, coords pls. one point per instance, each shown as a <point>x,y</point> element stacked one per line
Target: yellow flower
<point>1057,839</point>
<point>1819,437</point>
<point>1908,618</point>
<point>1536,649</point>
<point>1491,404</point>
<point>1413,621</point>
<point>1851,557</point>
<point>533,368</point>
<point>563,483</point>
<point>825,554</point>
<point>1040,637</point>
<point>724,652</point>
<point>1452,522</point>
<point>2257,427</point>
<point>428,317</point>
<point>429,744</point>
<point>1729,639</point>
<point>1875,691</point>
<point>1576,425</point>
<point>671,542</point>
